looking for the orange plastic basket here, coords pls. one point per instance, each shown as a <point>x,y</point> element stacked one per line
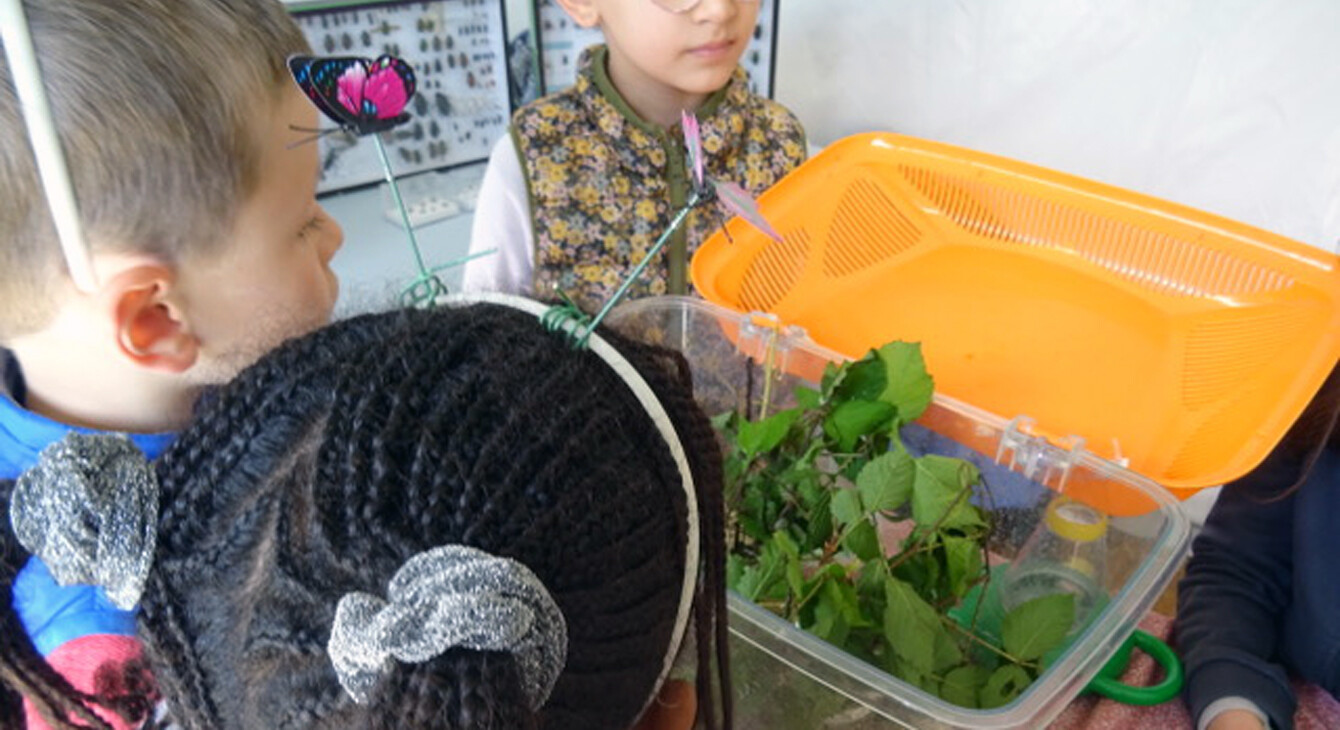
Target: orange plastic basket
<point>1175,342</point>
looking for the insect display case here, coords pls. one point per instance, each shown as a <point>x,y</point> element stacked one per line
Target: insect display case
<point>461,106</point>
<point>561,41</point>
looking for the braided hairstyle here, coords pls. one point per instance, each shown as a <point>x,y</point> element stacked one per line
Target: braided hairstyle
<point>324,467</point>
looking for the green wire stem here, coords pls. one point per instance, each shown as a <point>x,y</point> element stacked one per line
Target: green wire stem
<point>637,270</point>
<point>426,287</point>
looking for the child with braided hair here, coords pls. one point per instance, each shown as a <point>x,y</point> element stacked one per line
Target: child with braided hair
<point>448,518</point>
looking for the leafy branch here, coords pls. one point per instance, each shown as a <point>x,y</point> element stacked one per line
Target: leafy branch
<point>811,488</point>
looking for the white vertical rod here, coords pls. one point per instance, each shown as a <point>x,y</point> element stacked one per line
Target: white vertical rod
<point>46,145</point>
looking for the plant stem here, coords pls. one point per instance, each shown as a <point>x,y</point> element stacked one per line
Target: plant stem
<point>908,552</point>
<point>998,651</point>
<point>806,598</point>
<point>769,362</point>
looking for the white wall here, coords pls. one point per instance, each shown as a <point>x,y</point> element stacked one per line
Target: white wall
<point>1229,106</point>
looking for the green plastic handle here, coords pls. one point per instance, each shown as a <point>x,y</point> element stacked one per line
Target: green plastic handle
<point>1106,683</point>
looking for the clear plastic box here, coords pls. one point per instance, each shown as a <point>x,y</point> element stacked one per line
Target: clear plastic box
<point>785,677</point>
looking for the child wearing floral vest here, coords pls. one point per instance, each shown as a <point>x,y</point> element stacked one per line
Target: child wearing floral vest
<point>591,176</point>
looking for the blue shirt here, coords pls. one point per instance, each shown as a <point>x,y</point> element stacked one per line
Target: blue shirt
<point>52,613</point>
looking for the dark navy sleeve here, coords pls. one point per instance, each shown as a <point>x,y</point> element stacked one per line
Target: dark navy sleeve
<point>1237,587</point>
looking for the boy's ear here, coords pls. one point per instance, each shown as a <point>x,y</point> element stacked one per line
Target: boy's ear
<point>150,330</point>
<point>582,12</point>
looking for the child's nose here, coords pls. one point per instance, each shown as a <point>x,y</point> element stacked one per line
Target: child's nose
<point>717,9</point>
<point>333,239</point>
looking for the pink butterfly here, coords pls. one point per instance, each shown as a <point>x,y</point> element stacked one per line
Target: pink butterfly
<point>363,96</point>
<point>736,199</point>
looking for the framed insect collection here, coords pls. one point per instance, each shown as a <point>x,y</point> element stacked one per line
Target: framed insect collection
<point>561,41</point>
<point>455,51</point>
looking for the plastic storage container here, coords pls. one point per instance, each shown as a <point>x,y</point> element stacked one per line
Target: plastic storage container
<point>787,678</point>
<point>1177,342</point>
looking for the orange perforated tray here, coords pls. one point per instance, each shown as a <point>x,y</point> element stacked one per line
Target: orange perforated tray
<point>1175,342</point>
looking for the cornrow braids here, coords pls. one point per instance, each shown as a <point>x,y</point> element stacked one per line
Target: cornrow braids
<point>322,469</point>
<point>668,373</point>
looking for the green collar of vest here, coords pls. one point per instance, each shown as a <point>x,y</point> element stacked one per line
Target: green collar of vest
<point>596,59</point>
<point>581,145</point>
<point>720,118</point>
<point>641,142</point>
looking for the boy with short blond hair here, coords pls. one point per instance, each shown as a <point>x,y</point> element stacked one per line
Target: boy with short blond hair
<point>177,120</point>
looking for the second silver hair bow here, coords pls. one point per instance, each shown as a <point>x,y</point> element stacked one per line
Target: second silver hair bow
<point>445,597</point>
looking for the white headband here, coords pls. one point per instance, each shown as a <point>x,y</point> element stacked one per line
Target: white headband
<point>47,150</point>
<point>653,406</point>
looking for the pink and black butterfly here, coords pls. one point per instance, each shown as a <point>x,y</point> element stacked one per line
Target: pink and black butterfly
<point>362,95</point>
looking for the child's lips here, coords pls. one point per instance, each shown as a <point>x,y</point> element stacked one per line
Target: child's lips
<point>713,50</point>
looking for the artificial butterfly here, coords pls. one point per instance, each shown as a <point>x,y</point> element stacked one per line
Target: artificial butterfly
<point>736,199</point>
<point>364,97</point>
<point>568,317</point>
<point>361,95</point>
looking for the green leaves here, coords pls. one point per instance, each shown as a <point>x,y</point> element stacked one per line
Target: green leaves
<point>863,541</point>
<point>963,561</point>
<point>846,507</point>
<point>962,684</point>
<point>939,493</point>
<point>876,394</point>
<point>811,490</point>
<point>1038,626</point>
<point>894,374</point>
<point>911,625</point>
<point>765,435</point>
<point>1004,684</point>
<point>908,386</point>
<point>885,482</point>
<point>851,420</point>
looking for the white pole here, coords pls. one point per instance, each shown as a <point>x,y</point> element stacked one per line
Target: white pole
<point>46,146</point>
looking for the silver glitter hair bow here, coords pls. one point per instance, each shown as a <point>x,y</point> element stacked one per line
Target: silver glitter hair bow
<point>449,596</point>
<point>89,510</point>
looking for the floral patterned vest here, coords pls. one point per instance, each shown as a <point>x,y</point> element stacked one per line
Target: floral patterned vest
<point>603,184</point>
